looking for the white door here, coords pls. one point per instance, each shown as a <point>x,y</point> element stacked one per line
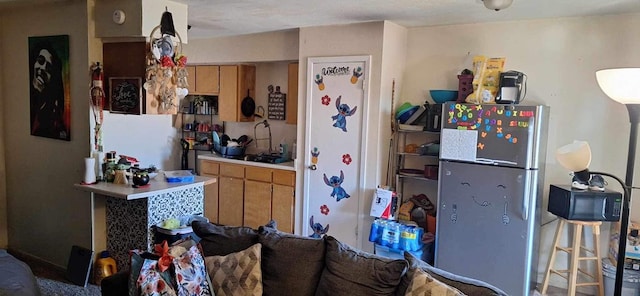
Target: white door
<point>337,95</point>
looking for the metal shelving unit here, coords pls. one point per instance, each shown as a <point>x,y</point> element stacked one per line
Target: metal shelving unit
<point>412,160</point>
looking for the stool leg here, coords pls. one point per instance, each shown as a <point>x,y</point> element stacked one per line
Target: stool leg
<point>575,253</point>
<point>596,246</point>
<point>552,258</point>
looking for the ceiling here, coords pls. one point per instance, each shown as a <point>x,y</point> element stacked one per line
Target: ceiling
<point>217,18</point>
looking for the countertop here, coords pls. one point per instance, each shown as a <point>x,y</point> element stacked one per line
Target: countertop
<point>156,186</point>
<point>289,166</point>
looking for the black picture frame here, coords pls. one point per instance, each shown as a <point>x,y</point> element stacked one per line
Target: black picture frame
<point>125,95</point>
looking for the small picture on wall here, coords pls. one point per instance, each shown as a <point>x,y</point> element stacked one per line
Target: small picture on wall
<point>49,87</point>
<point>125,94</point>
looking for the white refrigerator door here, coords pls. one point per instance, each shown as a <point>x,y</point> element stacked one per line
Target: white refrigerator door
<point>485,224</point>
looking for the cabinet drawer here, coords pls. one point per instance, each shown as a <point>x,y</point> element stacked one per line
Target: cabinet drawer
<point>209,167</point>
<point>282,177</point>
<point>258,174</point>
<point>232,170</point>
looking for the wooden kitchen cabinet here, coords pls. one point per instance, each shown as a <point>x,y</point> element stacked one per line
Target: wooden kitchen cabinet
<point>230,195</point>
<point>236,82</point>
<point>283,199</point>
<point>211,169</point>
<point>257,196</point>
<point>251,196</point>
<point>203,79</point>
<point>292,95</point>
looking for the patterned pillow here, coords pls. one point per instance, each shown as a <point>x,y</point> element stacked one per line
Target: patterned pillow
<point>236,274</point>
<point>423,284</point>
<point>191,273</point>
<point>150,281</point>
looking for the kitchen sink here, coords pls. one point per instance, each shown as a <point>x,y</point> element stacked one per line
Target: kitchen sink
<point>265,158</point>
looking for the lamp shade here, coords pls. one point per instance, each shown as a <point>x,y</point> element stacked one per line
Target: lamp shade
<point>575,157</point>
<point>620,84</point>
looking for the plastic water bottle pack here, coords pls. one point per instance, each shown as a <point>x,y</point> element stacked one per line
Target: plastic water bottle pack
<point>396,235</point>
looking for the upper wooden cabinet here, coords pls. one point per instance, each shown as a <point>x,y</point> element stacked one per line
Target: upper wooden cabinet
<point>203,79</point>
<point>292,100</point>
<point>236,82</point>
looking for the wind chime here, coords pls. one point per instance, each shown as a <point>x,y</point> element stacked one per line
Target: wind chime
<point>166,75</point>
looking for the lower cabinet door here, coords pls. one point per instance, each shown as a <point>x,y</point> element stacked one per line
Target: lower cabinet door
<point>230,192</point>
<point>283,203</point>
<point>211,200</point>
<point>257,203</point>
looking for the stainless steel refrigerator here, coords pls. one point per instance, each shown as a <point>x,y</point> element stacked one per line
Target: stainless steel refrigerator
<point>490,193</point>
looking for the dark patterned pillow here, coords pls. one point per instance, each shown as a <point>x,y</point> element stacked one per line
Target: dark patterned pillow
<point>291,264</point>
<point>349,271</point>
<point>223,240</point>
<point>236,274</point>
<point>423,284</point>
<point>466,285</point>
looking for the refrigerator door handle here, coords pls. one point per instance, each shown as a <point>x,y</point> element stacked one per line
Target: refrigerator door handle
<point>525,200</point>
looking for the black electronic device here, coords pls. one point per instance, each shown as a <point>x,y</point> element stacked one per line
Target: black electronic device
<point>513,87</point>
<point>584,205</point>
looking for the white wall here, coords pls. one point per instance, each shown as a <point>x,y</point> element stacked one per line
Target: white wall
<point>560,57</point>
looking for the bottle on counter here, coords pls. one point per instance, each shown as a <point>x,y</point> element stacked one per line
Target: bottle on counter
<point>105,266</point>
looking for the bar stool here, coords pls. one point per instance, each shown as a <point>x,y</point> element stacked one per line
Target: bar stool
<point>574,251</point>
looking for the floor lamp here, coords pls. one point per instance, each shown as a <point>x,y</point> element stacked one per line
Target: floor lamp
<point>622,85</point>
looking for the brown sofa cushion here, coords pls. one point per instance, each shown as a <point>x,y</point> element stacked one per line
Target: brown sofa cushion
<point>291,264</point>
<point>466,285</point>
<point>349,271</point>
<point>219,240</point>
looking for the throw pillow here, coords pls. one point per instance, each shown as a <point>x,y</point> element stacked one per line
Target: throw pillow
<point>223,240</point>
<point>423,284</point>
<point>291,264</point>
<point>236,274</point>
<point>468,286</point>
<point>150,281</point>
<point>191,273</point>
<point>138,258</point>
<point>349,271</point>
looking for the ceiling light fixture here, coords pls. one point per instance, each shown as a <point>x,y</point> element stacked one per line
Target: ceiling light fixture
<point>497,5</point>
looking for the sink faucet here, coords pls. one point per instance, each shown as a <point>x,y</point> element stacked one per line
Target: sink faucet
<point>267,126</point>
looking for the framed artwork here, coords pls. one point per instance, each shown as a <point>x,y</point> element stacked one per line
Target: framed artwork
<point>125,95</point>
<point>49,87</point>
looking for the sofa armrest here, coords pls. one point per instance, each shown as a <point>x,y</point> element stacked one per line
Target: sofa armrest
<point>116,284</point>
<point>468,286</point>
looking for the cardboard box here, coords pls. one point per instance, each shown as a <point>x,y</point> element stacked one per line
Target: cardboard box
<point>632,252</point>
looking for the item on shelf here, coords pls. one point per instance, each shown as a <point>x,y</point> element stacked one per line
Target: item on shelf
<point>434,115</point>
<point>417,115</point>
<point>431,172</point>
<point>411,148</point>
<point>432,148</point>
<point>465,85</point>
<point>412,172</point>
<point>405,114</point>
<point>412,127</point>
<point>440,96</point>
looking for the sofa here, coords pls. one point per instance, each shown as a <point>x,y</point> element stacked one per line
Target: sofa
<point>16,277</point>
<point>266,261</point>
